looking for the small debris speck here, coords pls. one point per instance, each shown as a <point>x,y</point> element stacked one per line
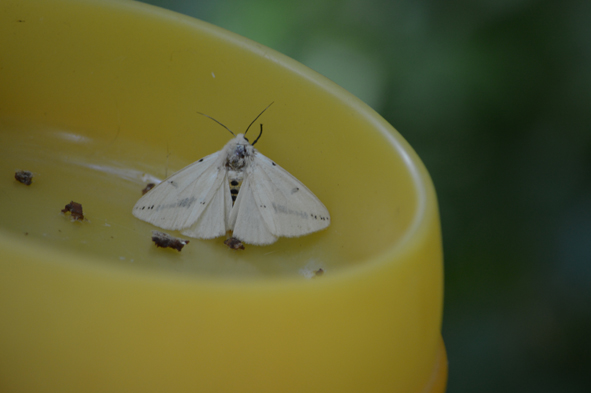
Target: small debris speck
<point>234,244</point>
<point>164,240</point>
<point>24,177</point>
<point>75,210</point>
<point>149,186</point>
<point>312,269</point>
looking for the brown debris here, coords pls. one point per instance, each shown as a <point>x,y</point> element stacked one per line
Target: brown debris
<point>149,186</point>
<point>164,240</point>
<point>24,177</point>
<point>234,244</point>
<point>75,210</point>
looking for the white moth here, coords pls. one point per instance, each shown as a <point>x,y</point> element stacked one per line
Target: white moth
<point>235,189</point>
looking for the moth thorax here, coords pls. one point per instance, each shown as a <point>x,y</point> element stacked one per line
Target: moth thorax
<point>237,159</point>
<point>235,179</point>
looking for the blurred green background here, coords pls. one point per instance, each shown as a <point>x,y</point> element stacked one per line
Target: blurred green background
<point>495,97</point>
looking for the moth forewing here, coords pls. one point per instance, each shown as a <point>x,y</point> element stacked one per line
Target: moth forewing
<point>177,202</point>
<point>212,221</point>
<point>246,221</point>
<point>296,210</point>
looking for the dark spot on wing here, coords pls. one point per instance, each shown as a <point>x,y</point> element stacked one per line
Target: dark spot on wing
<point>317,217</point>
<point>273,163</point>
<point>200,160</point>
<point>185,202</point>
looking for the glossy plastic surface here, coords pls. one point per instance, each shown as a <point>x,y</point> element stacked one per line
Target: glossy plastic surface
<point>97,98</point>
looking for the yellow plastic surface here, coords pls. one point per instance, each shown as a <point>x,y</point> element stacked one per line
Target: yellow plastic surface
<point>98,97</point>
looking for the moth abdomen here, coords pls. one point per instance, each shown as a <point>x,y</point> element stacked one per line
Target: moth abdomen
<point>235,181</point>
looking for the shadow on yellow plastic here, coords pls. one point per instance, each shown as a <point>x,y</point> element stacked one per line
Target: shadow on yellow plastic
<point>99,97</point>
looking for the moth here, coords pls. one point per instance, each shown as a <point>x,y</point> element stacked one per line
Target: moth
<point>238,190</point>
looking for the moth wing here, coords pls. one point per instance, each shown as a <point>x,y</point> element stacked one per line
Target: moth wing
<point>179,201</point>
<point>287,206</point>
<point>212,222</point>
<point>246,221</point>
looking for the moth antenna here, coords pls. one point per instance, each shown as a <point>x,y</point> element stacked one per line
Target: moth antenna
<point>218,122</point>
<point>258,137</point>
<point>255,119</point>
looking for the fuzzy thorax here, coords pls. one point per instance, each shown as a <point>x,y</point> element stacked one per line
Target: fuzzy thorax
<point>239,153</point>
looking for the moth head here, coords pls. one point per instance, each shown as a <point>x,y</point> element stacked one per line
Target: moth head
<point>242,140</point>
<point>242,146</point>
